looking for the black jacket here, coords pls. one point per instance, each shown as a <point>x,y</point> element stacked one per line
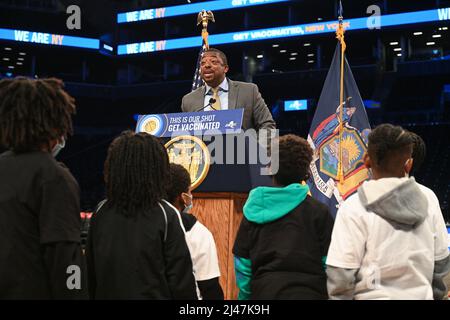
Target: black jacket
<point>39,229</point>
<point>128,257</point>
<point>287,254</point>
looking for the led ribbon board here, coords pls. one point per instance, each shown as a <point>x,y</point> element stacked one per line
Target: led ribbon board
<point>288,31</point>
<point>159,13</point>
<point>49,39</point>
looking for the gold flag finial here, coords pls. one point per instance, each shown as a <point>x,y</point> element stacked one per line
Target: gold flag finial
<point>204,17</point>
<point>340,33</point>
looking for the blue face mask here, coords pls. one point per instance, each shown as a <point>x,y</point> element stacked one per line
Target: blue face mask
<point>189,207</point>
<point>58,147</point>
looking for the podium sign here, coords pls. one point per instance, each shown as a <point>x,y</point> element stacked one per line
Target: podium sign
<point>191,123</point>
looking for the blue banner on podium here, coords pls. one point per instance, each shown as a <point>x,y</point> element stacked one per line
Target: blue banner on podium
<point>191,123</point>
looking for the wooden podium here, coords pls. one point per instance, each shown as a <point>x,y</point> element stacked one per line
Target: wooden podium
<point>223,188</point>
<point>221,213</point>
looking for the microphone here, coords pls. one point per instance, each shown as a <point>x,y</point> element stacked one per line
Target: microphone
<point>210,103</point>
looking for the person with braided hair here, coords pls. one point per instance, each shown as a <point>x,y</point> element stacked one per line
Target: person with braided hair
<point>40,222</point>
<point>389,239</point>
<point>282,242</point>
<point>136,246</point>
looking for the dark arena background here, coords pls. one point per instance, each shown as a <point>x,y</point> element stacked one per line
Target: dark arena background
<point>402,68</point>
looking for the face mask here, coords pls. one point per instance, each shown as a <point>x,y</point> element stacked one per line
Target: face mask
<point>58,147</point>
<point>370,173</point>
<point>406,164</point>
<point>188,208</point>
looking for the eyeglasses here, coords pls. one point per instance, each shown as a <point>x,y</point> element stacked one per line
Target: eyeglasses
<point>213,62</point>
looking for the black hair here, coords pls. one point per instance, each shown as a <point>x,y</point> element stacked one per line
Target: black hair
<point>295,156</point>
<point>220,53</point>
<point>136,171</point>
<point>33,112</point>
<point>180,181</point>
<point>387,141</point>
<point>419,152</point>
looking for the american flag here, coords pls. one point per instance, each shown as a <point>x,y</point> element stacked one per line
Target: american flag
<point>198,81</point>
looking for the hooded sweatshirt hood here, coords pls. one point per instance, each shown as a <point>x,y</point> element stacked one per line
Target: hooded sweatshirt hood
<point>266,204</point>
<point>397,200</point>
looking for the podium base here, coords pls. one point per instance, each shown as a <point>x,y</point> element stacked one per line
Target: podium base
<point>221,213</point>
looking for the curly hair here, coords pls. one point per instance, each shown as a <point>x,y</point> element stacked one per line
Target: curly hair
<point>136,171</point>
<point>295,156</point>
<point>387,142</point>
<point>33,113</point>
<point>419,152</point>
<point>180,181</point>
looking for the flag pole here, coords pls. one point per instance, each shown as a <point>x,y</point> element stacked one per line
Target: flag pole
<point>340,36</point>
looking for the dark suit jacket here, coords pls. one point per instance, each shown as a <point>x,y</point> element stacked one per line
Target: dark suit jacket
<point>240,95</point>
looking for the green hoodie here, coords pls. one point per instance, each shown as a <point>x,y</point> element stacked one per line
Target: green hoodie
<point>267,204</point>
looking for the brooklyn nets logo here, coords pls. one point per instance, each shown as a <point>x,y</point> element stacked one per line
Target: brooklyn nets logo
<point>192,154</point>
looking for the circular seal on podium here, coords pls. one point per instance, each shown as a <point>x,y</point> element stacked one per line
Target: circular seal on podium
<point>193,154</point>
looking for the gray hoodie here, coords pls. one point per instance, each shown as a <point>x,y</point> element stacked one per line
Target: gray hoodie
<point>399,201</point>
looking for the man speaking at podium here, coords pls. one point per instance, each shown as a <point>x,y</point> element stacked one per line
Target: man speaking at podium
<point>220,93</point>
